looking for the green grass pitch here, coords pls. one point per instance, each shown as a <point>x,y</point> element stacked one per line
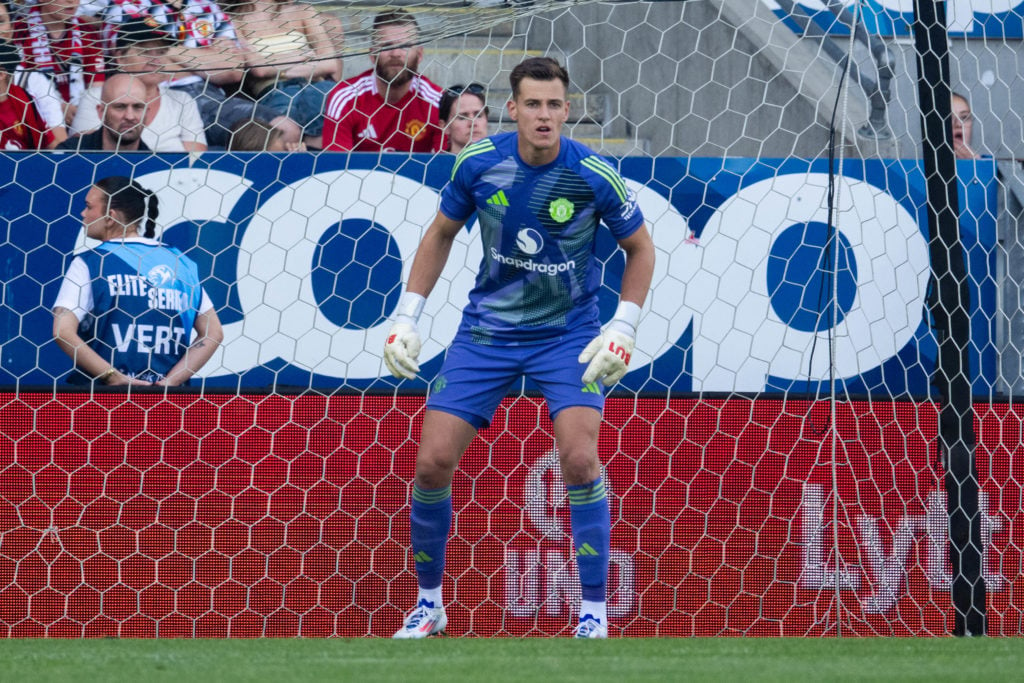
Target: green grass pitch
<point>494,660</point>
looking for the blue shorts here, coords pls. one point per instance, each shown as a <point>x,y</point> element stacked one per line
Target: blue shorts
<point>301,101</point>
<point>474,378</point>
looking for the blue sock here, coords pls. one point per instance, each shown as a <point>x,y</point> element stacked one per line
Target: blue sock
<point>430,521</point>
<point>591,533</point>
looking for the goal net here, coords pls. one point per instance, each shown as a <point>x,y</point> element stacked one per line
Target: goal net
<point>775,458</point>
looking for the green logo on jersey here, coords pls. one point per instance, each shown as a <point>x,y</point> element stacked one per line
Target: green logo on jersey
<point>439,384</point>
<point>498,199</point>
<point>561,210</point>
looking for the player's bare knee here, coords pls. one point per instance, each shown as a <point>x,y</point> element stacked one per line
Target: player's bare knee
<point>434,471</point>
<point>580,466</point>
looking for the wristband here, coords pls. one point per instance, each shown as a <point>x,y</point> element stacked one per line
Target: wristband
<point>105,375</point>
<point>627,313</point>
<point>410,306</point>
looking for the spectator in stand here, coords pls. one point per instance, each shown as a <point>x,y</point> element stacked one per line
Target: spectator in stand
<point>336,35</point>
<point>463,114</point>
<point>963,127</point>
<point>126,309</point>
<point>390,108</point>
<point>44,92</point>
<point>122,108</point>
<point>205,59</point>
<point>67,48</point>
<point>21,126</point>
<point>293,60</point>
<point>261,136</point>
<point>172,122</point>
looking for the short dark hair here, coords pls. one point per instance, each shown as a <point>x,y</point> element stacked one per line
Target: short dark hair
<point>398,17</point>
<point>452,93</point>
<point>10,58</point>
<point>538,69</point>
<point>132,200</point>
<point>140,31</point>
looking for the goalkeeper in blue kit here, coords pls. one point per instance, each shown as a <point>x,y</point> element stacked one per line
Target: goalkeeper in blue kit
<point>540,199</point>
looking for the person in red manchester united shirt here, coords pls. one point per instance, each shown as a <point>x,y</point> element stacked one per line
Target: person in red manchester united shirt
<point>390,108</point>
<point>63,46</point>
<point>21,126</point>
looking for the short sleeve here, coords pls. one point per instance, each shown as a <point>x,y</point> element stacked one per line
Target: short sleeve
<point>616,203</point>
<point>76,290</point>
<point>87,118</point>
<point>457,200</point>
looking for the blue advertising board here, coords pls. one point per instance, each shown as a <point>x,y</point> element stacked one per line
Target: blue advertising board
<point>304,256</point>
<point>895,18</point>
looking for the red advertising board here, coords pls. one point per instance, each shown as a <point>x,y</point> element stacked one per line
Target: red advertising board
<point>225,515</point>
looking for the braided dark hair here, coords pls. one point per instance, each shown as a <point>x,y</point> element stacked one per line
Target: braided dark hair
<point>132,200</point>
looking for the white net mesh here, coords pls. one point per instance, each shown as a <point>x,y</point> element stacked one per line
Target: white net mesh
<point>772,456</point>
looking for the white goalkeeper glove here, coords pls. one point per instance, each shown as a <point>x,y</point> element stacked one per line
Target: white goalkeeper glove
<point>608,354</point>
<point>402,346</point>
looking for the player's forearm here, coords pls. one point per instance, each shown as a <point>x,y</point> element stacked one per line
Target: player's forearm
<point>431,257</point>
<point>639,269</point>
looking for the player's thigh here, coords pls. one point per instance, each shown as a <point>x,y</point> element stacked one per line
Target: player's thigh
<point>473,379</point>
<point>555,369</point>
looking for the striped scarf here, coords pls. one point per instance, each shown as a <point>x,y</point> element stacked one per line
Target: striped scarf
<point>38,54</point>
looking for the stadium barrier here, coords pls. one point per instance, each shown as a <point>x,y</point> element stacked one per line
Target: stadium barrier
<point>267,515</point>
<point>306,254</point>
<point>247,513</point>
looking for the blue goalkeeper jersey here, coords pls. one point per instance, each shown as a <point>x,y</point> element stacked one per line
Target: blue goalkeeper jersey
<point>539,275</point>
<point>145,301</point>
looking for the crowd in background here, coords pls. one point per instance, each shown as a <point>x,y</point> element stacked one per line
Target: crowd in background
<point>193,75</point>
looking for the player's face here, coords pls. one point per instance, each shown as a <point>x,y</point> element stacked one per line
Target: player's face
<point>395,59</point>
<point>468,122</point>
<point>95,218</point>
<point>540,109</point>
<point>123,108</point>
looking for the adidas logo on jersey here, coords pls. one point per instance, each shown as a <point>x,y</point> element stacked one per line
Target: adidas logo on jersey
<point>591,388</point>
<point>498,199</point>
<point>369,134</point>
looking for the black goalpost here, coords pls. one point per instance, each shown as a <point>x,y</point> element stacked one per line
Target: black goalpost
<point>949,303</point>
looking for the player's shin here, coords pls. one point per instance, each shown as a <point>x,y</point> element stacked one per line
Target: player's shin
<point>591,531</point>
<point>430,521</point>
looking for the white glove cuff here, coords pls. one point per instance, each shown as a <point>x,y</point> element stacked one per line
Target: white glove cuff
<point>627,317</point>
<point>410,306</point>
